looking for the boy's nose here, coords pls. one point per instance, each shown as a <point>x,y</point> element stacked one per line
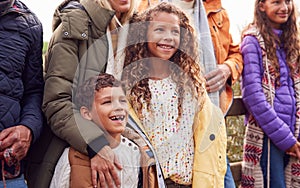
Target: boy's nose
<point>117,106</point>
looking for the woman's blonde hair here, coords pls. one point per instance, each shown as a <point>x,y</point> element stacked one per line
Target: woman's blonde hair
<point>125,17</point>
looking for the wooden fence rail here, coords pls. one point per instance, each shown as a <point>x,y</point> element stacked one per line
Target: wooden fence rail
<point>237,108</point>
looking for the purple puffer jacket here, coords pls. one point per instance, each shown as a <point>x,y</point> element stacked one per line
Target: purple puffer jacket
<point>278,122</point>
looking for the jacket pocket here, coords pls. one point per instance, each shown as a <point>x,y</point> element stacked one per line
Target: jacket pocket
<point>217,19</point>
<point>203,179</point>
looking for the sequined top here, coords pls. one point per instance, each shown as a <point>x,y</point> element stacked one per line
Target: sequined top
<point>172,141</point>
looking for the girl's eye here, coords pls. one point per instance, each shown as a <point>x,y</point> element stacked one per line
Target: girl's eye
<point>176,31</point>
<point>123,101</point>
<point>106,102</point>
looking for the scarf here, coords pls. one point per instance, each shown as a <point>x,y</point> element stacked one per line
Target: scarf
<point>115,63</point>
<point>207,57</point>
<point>8,160</point>
<point>252,176</point>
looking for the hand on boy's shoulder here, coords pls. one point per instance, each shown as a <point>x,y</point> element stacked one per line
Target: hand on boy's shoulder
<point>104,166</point>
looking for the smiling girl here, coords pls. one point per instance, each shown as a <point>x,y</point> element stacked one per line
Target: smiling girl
<point>270,89</point>
<point>167,92</point>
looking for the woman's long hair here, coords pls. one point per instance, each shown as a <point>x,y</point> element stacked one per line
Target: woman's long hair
<point>185,71</point>
<point>289,40</point>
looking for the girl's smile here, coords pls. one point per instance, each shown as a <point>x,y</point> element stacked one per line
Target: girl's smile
<point>163,35</point>
<point>277,11</point>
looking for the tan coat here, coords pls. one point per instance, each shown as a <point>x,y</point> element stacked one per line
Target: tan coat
<point>81,167</point>
<point>80,176</point>
<point>226,51</point>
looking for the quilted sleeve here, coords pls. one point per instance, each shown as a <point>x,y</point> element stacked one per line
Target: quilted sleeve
<point>255,100</point>
<point>32,78</point>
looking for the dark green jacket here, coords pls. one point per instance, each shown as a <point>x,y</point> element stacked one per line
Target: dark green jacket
<point>77,50</point>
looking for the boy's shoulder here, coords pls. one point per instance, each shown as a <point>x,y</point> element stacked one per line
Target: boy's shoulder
<point>126,145</point>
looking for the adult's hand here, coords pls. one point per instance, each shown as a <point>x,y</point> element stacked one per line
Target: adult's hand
<point>216,79</point>
<point>18,139</point>
<point>105,165</point>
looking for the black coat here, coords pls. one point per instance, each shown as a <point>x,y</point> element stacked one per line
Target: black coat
<point>21,69</point>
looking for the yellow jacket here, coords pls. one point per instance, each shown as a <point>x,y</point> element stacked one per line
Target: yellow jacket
<point>210,146</point>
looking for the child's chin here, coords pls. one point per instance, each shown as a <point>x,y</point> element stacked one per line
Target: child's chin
<point>121,128</point>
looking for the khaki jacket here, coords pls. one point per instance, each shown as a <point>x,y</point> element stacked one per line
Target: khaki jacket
<point>76,28</point>
<point>77,50</point>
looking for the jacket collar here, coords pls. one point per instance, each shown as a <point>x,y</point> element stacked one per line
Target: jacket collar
<point>212,6</point>
<point>98,14</point>
<point>18,7</point>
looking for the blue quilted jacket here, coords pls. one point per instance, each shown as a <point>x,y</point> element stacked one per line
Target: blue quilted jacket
<point>21,70</point>
<point>278,122</point>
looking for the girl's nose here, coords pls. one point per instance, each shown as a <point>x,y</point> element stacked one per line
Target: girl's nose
<point>168,35</point>
<point>285,5</point>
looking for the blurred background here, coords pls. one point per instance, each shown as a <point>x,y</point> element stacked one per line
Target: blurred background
<point>240,13</point>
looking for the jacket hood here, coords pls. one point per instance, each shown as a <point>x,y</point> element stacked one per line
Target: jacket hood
<point>67,4</point>
<point>5,5</point>
<point>13,6</point>
<point>71,8</point>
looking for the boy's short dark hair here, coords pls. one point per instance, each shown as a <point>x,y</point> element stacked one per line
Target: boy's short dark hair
<point>85,93</point>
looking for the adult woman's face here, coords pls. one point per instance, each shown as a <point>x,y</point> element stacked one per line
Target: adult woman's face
<point>120,6</point>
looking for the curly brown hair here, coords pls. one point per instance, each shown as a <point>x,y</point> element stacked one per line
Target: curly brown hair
<point>84,95</point>
<point>289,40</point>
<point>186,73</point>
